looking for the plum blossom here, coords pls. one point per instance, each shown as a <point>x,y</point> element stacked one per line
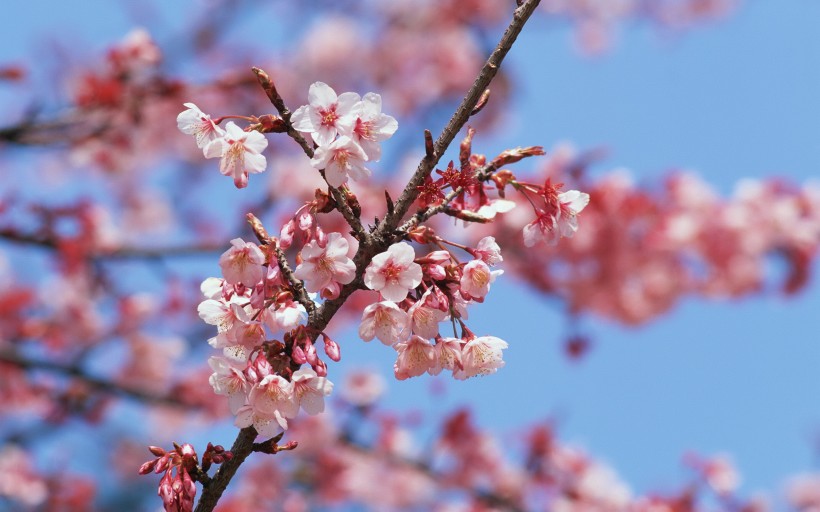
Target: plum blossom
<point>327,114</point>
<point>199,124</point>
<point>322,266</point>
<point>310,390</point>
<point>393,272</point>
<point>240,153</point>
<point>372,127</point>
<point>340,159</point>
<point>416,356</point>
<point>481,356</point>
<point>384,320</point>
<point>243,263</point>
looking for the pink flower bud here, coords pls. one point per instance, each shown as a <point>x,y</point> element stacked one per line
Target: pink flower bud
<point>298,355</point>
<point>305,220</point>
<point>310,354</point>
<point>320,368</point>
<point>320,237</point>
<point>147,467</point>
<point>332,349</point>
<point>156,450</point>
<point>331,291</point>
<point>286,235</point>
<point>436,272</point>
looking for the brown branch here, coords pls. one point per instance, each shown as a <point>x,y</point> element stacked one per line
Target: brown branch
<point>459,119</point>
<point>120,253</point>
<point>98,384</point>
<point>383,235</point>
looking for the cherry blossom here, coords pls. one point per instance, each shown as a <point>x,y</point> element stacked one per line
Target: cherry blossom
<point>424,318</point>
<point>327,114</point>
<point>242,263</point>
<point>199,124</point>
<point>240,153</point>
<point>476,278</point>
<point>310,390</point>
<point>384,320</point>
<point>340,159</point>
<point>371,126</point>
<point>228,379</point>
<point>415,357</point>
<point>393,272</point>
<point>447,355</point>
<point>322,266</point>
<point>481,356</point>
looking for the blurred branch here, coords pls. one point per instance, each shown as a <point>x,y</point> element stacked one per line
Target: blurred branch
<point>98,384</point>
<point>125,252</point>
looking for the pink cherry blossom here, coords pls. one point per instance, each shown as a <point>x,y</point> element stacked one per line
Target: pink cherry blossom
<point>228,379</point>
<point>488,251</point>
<point>340,159</point>
<point>243,263</point>
<point>481,356</point>
<point>199,124</point>
<point>416,356</point>
<point>476,278</point>
<point>424,318</point>
<point>310,390</point>
<point>393,272</point>
<point>552,225</point>
<point>384,320</point>
<point>326,114</point>
<point>371,126</point>
<point>322,266</point>
<point>240,153</point>
<point>447,355</point>
<point>274,394</point>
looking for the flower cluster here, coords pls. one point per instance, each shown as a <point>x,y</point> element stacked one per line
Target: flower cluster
<point>239,151</point>
<point>417,294</point>
<point>347,130</point>
<point>262,379</point>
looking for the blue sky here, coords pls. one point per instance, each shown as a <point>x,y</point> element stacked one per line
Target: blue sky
<point>730,99</point>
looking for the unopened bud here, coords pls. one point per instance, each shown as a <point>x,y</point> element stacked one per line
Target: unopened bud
<point>422,235</point>
<point>320,368</point>
<point>156,450</point>
<point>298,355</point>
<point>147,467</point>
<point>332,349</point>
<point>514,155</point>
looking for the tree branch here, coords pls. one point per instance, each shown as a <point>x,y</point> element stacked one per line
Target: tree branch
<point>383,235</point>
<point>459,119</point>
<point>98,384</point>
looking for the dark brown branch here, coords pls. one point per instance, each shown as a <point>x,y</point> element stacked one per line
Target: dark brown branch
<point>459,119</point>
<point>212,491</point>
